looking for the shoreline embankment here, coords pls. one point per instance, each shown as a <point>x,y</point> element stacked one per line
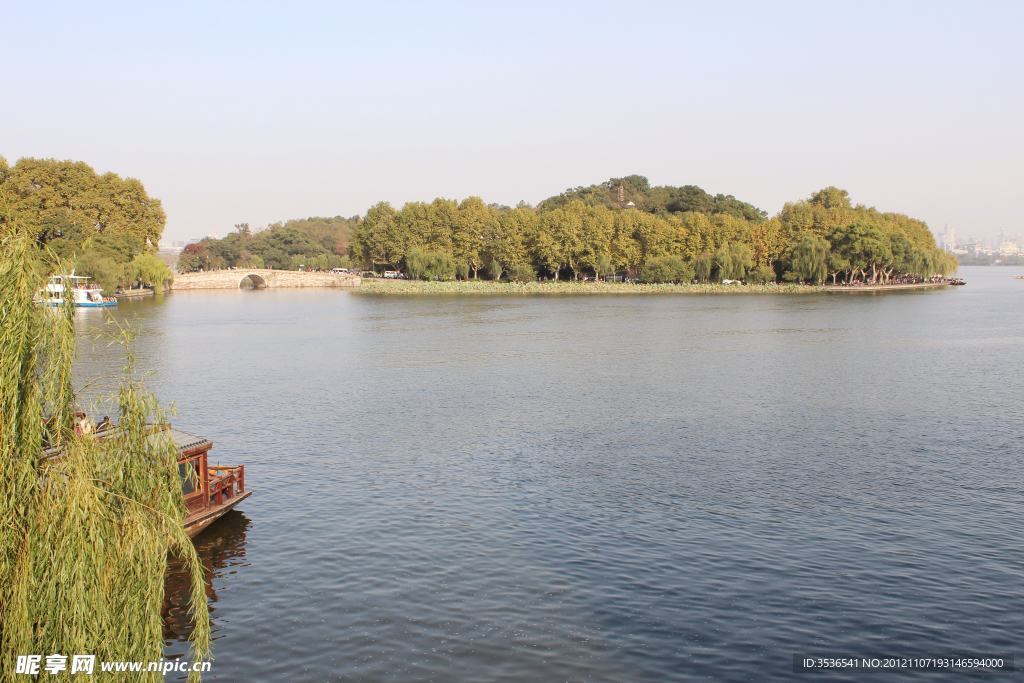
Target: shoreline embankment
<point>279,279</point>
<point>886,288</point>
<point>381,286</point>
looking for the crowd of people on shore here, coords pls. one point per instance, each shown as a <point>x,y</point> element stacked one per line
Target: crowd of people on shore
<point>908,280</point>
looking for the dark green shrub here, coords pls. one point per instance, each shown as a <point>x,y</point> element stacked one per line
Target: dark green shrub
<point>666,269</point>
<point>522,273</point>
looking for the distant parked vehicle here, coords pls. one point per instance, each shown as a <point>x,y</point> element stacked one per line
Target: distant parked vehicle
<point>732,282</point>
<point>394,274</point>
<point>339,271</point>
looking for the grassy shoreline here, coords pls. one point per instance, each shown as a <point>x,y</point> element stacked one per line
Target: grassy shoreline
<point>380,286</point>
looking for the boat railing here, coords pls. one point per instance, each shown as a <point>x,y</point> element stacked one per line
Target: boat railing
<point>225,482</point>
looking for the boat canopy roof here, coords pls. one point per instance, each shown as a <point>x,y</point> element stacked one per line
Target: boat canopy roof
<point>183,440</point>
<point>188,444</point>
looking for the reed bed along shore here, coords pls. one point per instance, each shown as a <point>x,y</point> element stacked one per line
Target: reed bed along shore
<point>381,286</point>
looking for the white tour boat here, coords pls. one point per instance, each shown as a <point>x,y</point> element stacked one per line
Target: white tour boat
<point>83,294</point>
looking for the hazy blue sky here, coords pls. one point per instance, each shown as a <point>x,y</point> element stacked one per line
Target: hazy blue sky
<point>233,112</point>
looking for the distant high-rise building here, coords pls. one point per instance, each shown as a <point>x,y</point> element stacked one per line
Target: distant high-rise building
<point>947,239</point>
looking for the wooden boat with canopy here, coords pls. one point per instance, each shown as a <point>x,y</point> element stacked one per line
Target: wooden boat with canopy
<point>210,490</point>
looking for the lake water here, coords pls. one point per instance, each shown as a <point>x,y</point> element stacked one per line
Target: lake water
<point>600,488</point>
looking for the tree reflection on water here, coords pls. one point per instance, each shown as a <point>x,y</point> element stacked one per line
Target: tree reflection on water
<point>221,548</point>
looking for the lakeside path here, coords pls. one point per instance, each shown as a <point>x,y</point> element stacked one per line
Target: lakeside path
<point>381,286</point>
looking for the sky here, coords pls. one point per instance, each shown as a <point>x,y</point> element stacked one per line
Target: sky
<point>260,112</point>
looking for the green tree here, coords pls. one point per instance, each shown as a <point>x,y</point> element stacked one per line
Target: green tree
<point>767,242</point>
<point>547,245</point>
<point>900,248</point>
<point>760,275</point>
<point>150,270</point>
<point>703,266</point>
<point>440,266</point>
<point>946,264</point>
<point>471,222</point>
<point>836,264</point>
<point>416,263</point>
<point>496,269</point>
<point>379,239</point>
<point>666,269</point>
<point>516,230</point>
<point>67,202</point>
<point>732,260</point>
<point>522,273</point>
<point>102,269</point>
<point>810,259</point>
<point>189,263</point>
<point>597,231</point>
<point>831,198</point>
<point>922,263</point>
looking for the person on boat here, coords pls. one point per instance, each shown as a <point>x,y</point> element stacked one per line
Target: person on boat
<point>104,424</point>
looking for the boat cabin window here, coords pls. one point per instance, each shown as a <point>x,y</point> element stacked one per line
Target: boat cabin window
<point>189,471</point>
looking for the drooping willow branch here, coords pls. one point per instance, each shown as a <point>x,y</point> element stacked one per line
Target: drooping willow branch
<point>87,524</point>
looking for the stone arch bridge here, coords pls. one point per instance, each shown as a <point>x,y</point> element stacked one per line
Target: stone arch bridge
<point>263,278</point>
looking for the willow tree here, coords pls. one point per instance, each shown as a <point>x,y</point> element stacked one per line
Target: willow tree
<point>150,270</point>
<point>810,259</point>
<point>922,263</point>
<point>703,265</point>
<point>416,263</point>
<point>87,525</point>
<point>946,264</point>
<point>733,259</point>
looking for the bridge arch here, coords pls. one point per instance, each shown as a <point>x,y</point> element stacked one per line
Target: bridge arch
<point>257,281</point>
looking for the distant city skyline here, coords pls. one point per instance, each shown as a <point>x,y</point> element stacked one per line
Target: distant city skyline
<point>1002,244</point>
<point>259,114</point>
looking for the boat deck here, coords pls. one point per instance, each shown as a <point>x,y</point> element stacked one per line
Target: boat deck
<point>200,519</point>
